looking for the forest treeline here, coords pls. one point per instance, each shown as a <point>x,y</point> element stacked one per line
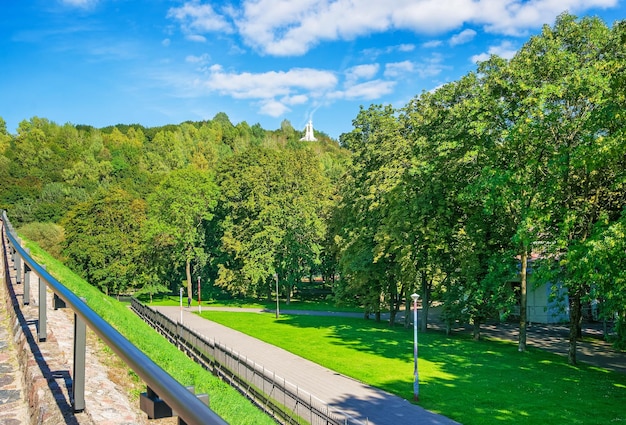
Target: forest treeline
<point>518,165</point>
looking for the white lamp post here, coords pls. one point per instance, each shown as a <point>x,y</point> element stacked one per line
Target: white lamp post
<point>199,299</point>
<point>181,304</point>
<point>416,382</point>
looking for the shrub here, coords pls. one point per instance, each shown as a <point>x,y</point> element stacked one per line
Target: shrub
<point>48,236</point>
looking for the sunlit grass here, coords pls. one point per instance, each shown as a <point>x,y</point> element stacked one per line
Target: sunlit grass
<point>473,382</point>
<point>225,401</point>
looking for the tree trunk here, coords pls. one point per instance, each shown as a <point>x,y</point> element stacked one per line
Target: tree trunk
<point>392,317</point>
<point>407,311</point>
<point>574,315</point>
<point>476,330</point>
<point>523,301</point>
<point>189,285</point>
<point>377,316</point>
<point>425,306</point>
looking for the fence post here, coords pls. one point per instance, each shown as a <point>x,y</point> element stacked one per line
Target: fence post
<point>17,264</point>
<point>26,295</point>
<point>42,330</point>
<point>78,380</point>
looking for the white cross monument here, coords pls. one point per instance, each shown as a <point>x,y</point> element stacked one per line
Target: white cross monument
<point>308,133</point>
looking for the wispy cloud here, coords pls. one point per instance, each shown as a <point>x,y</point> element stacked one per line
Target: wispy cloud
<point>361,72</point>
<point>432,44</point>
<point>201,60</point>
<point>505,50</point>
<point>196,19</point>
<point>402,48</point>
<point>397,69</point>
<point>84,4</point>
<point>266,85</point>
<point>463,37</point>
<point>369,90</point>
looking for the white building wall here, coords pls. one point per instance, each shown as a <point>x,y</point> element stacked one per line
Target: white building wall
<point>543,307</point>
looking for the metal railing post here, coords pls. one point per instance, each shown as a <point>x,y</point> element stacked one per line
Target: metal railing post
<point>78,380</point>
<point>42,329</point>
<point>17,264</point>
<point>26,295</point>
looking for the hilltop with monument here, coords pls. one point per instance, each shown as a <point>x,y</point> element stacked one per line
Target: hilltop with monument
<point>308,133</point>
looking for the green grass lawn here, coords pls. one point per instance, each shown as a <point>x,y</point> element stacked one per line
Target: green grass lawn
<point>225,401</point>
<point>473,382</point>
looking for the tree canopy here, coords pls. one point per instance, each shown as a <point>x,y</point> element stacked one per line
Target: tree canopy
<point>510,176</point>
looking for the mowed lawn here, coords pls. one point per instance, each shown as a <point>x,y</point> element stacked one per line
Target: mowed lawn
<point>473,382</point>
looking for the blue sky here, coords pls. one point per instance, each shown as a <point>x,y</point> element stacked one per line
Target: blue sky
<point>156,62</point>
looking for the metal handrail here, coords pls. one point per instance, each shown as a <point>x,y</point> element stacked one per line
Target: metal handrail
<point>191,409</point>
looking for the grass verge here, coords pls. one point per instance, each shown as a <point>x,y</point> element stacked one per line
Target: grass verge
<point>225,401</point>
<point>473,382</point>
<point>173,300</point>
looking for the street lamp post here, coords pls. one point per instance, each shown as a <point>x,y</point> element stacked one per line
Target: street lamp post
<point>199,298</point>
<point>277,305</point>
<point>416,381</point>
<point>181,304</point>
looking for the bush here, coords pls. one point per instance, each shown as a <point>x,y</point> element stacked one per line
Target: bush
<point>48,236</point>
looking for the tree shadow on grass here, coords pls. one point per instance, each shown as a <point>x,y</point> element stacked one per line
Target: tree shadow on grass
<point>487,381</point>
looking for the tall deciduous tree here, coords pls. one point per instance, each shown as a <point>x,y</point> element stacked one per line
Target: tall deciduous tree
<point>178,210</point>
<point>271,215</point>
<point>571,112</point>
<point>368,255</point>
<point>102,239</point>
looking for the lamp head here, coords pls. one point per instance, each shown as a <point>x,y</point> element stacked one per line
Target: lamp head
<point>415,297</point>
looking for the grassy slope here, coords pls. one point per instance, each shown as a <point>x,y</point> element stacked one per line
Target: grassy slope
<point>473,382</point>
<point>225,401</point>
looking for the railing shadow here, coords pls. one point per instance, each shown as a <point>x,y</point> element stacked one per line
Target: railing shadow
<point>63,404</point>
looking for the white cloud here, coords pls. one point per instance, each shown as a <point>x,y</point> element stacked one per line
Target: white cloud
<point>432,44</point>
<point>516,17</point>
<point>85,4</point>
<point>286,27</point>
<point>202,59</point>
<point>369,90</point>
<point>361,72</point>
<point>273,108</point>
<point>268,85</point>
<point>166,42</point>
<point>398,48</point>
<point>196,37</point>
<point>463,37</point>
<point>396,69</point>
<point>428,67</point>
<point>298,99</point>
<point>406,47</point>
<point>504,50</point>
<point>196,18</point>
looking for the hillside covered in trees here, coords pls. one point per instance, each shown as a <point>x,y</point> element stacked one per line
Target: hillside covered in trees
<point>522,161</point>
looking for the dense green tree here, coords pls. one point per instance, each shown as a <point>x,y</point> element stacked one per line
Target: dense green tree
<point>270,218</point>
<point>568,104</point>
<point>178,210</point>
<point>601,261</point>
<point>370,267</point>
<point>102,239</point>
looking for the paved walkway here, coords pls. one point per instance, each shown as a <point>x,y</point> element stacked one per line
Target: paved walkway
<point>555,338</point>
<point>367,404</point>
<point>13,407</point>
